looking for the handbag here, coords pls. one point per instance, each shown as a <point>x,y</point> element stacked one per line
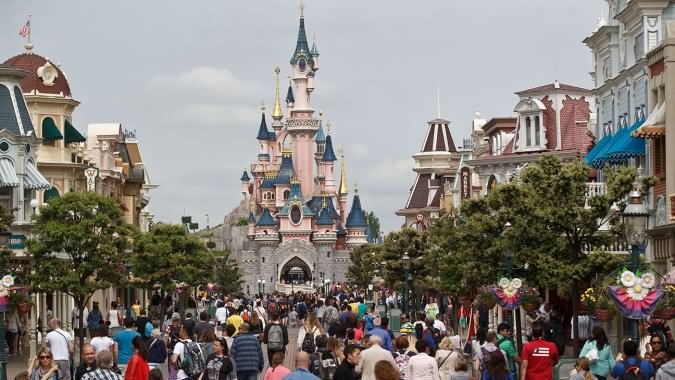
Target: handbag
<point>592,355</point>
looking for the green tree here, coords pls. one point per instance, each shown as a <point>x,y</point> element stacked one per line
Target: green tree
<point>373,224</point>
<point>227,275</point>
<point>79,246</point>
<point>167,255</point>
<point>365,265</point>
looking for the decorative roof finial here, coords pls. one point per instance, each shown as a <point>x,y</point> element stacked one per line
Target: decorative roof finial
<point>277,114</point>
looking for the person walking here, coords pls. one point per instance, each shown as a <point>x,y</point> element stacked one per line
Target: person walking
<point>125,347</point>
<point>43,367</point>
<point>137,366</point>
<point>247,354</point>
<point>599,353</point>
<point>667,370</point>
<point>61,348</point>
<point>539,356</point>
<point>301,368</point>
<point>422,366</point>
<point>103,371</point>
<point>94,320</point>
<point>88,362</point>
<point>632,362</point>
<point>219,366</point>
<point>275,337</point>
<point>157,351</point>
<point>372,355</point>
<point>347,369</point>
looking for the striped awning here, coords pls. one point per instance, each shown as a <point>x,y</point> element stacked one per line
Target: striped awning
<point>8,176</point>
<point>34,180</point>
<point>654,126</point>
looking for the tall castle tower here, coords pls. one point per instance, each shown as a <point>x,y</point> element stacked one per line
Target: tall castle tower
<point>298,226</point>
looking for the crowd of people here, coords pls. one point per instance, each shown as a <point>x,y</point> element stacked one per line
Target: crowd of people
<point>339,337</point>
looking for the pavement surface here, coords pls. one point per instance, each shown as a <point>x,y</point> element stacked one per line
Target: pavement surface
<point>18,363</point>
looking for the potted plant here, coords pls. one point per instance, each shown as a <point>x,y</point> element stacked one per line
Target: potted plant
<point>486,299</point>
<point>530,299</point>
<point>666,309</point>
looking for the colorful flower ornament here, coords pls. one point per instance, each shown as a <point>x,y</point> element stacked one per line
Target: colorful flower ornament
<point>636,294</point>
<point>508,292</point>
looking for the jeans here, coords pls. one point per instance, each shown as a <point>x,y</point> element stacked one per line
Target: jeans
<point>247,375</point>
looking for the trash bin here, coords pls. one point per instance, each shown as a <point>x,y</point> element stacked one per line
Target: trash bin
<point>395,320</point>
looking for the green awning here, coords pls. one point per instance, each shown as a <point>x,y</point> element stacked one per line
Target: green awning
<point>50,132</point>
<point>72,134</point>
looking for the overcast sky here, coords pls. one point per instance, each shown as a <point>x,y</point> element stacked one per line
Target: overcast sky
<point>189,78</point>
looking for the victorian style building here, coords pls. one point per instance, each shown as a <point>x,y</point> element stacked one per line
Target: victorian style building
<point>299,225</point>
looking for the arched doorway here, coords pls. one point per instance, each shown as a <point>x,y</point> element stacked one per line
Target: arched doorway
<point>295,271</point>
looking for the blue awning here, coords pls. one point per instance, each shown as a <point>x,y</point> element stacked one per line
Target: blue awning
<point>618,147</point>
<point>626,146</point>
<point>599,146</point>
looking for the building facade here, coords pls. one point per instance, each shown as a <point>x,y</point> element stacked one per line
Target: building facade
<point>300,228</point>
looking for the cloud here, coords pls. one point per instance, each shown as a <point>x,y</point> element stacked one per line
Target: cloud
<point>209,81</point>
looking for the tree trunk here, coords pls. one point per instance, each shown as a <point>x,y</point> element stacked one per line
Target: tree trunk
<point>575,321</point>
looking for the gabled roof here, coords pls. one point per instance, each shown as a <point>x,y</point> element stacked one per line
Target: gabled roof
<point>552,87</point>
<point>266,219</point>
<point>328,153</point>
<point>356,217</point>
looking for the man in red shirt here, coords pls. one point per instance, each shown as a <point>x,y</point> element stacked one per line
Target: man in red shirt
<point>539,356</point>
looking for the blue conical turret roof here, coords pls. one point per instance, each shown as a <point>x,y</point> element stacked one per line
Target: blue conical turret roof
<point>266,219</point>
<point>263,132</point>
<point>301,46</point>
<point>320,136</point>
<point>286,171</point>
<point>245,177</point>
<point>356,217</point>
<point>328,153</point>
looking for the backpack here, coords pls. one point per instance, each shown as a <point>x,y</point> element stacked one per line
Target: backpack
<point>275,337</point>
<point>402,360</point>
<point>484,362</point>
<point>192,360</point>
<point>633,372</point>
<point>327,366</point>
<point>308,344</point>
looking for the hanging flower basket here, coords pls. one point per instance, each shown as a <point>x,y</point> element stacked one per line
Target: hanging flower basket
<point>602,315</point>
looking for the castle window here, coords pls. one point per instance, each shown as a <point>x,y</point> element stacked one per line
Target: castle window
<point>528,132</point>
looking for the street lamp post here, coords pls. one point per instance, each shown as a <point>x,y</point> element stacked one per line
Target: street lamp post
<point>635,223</point>
<point>405,263</point>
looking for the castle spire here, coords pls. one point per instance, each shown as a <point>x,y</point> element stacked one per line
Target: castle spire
<point>302,49</point>
<point>277,114</point>
<point>343,189</point>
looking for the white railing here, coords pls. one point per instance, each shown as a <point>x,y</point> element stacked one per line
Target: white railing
<point>593,189</point>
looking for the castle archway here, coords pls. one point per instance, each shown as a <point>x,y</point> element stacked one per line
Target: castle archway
<point>295,271</point>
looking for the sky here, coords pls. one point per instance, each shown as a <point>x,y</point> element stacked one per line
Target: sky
<point>189,78</point>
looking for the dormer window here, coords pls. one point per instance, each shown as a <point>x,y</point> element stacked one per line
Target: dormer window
<point>530,133</point>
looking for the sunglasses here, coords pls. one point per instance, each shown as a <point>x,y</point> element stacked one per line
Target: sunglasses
<point>45,357</point>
